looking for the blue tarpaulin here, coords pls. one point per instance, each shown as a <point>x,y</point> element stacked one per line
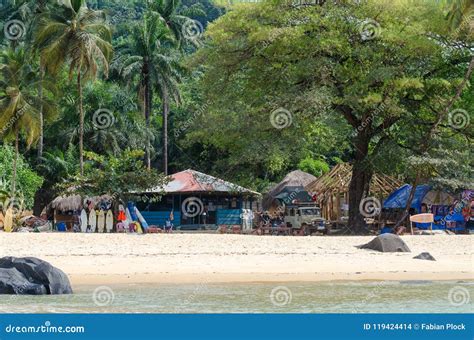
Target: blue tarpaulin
<point>399,198</point>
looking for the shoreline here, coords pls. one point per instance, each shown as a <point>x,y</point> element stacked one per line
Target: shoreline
<point>117,279</point>
<point>101,259</point>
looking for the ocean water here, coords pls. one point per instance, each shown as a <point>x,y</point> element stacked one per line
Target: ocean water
<point>326,297</point>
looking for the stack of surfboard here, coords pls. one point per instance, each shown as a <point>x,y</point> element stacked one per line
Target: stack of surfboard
<point>101,222</point>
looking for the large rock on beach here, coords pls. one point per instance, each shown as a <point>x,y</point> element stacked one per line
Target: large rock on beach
<point>32,276</point>
<point>387,243</point>
<point>425,256</point>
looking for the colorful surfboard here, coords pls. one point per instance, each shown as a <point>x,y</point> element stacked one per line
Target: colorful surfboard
<point>109,221</point>
<point>83,221</point>
<point>93,221</point>
<point>142,221</point>
<point>8,221</point>
<point>128,220</point>
<point>101,222</point>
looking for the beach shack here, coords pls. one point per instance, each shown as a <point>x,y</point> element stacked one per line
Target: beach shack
<point>64,211</point>
<point>331,191</point>
<point>289,190</point>
<point>197,201</point>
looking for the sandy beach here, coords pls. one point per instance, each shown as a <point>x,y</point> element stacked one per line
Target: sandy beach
<point>191,258</point>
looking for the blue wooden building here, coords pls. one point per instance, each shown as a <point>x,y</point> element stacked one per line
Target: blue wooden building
<point>196,201</point>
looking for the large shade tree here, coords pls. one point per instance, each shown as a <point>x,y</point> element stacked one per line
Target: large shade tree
<point>372,64</point>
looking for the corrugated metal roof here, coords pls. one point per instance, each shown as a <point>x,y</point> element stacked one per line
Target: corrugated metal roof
<point>195,181</point>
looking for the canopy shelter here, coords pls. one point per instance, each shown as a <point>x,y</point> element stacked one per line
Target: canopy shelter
<point>291,188</point>
<point>332,190</point>
<point>438,202</point>
<point>291,194</point>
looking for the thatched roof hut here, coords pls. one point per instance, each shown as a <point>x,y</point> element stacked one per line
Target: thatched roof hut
<point>67,203</point>
<point>295,178</point>
<point>75,202</point>
<point>332,189</point>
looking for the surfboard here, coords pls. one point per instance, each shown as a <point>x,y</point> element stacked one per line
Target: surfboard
<point>109,221</point>
<point>139,228</point>
<point>132,209</point>
<point>83,221</point>
<point>142,220</point>
<point>93,220</point>
<point>128,220</point>
<point>8,221</point>
<point>101,222</point>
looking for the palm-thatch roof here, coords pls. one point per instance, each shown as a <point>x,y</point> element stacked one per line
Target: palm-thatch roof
<point>295,178</point>
<point>338,180</point>
<point>67,203</point>
<point>75,202</point>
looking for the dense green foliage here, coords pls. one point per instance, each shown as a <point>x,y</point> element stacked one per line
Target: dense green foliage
<point>269,87</point>
<point>28,181</point>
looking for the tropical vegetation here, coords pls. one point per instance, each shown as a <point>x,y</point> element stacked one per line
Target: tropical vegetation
<point>100,93</point>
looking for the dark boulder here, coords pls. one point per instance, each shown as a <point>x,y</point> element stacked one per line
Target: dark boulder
<point>387,243</point>
<point>31,276</point>
<point>425,256</point>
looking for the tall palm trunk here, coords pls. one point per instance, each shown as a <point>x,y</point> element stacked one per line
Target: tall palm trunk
<point>81,123</point>
<point>15,163</point>
<point>148,110</point>
<point>41,116</point>
<point>166,109</point>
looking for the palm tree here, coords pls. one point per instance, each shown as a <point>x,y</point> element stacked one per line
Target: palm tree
<point>28,11</point>
<point>19,101</point>
<point>81,37</point>
<point>461,14</point>
<point>168,11</point>
<point>151,56</point>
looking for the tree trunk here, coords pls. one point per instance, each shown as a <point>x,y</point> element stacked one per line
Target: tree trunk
<point>81,123</point>
<point>166,108</point>
<point>15,163</point>
<point>41,135</point>
<point>406,212</point>
<point>148,110</point>
<point>360,180</point>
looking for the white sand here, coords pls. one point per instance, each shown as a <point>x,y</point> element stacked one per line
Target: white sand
<point>120,258</point>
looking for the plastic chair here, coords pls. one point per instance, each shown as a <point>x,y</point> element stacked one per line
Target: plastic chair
<point>422,218</point>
